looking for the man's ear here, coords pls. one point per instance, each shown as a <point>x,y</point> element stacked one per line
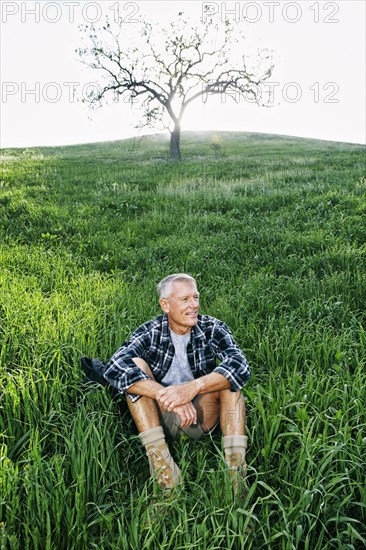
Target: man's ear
<point>164,305</point>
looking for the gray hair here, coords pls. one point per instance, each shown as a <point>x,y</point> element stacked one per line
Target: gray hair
<point>164,288</point>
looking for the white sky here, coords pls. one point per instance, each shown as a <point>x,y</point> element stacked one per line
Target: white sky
<point>319,52</point>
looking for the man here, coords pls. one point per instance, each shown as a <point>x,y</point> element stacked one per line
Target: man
<point>168,370</point>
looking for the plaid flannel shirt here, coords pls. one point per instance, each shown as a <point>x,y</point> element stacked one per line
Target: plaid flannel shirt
<point>211,342</point>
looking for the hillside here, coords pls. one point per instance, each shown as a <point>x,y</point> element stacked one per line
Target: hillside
<point>273,228</point>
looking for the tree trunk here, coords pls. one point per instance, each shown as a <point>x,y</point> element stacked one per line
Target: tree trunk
<point>175,143</point>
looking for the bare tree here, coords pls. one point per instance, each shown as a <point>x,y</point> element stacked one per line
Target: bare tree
<point>168,68</point>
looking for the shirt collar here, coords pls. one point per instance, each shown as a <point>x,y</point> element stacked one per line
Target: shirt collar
<point>197,331</point>
<point>165,330</point>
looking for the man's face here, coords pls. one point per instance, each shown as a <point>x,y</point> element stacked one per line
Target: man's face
<point>181,307</point>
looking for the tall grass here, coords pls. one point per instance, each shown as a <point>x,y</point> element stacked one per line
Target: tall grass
<point>274,231</point>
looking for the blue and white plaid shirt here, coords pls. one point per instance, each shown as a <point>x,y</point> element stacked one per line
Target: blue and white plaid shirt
<point>211,342</point>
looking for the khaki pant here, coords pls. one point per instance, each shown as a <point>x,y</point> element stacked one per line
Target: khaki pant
<point>171,424</point>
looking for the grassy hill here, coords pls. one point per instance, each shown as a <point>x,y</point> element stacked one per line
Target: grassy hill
<point>274,230</point>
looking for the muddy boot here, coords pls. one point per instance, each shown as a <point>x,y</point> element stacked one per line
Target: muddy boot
<point>162,467</point>
<point>235,447</point>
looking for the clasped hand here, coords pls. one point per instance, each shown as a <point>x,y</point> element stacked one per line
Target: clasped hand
<point>178,399</point>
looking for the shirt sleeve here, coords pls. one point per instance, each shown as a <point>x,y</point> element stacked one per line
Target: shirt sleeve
<point>233,363</point>
<point>121,371</point>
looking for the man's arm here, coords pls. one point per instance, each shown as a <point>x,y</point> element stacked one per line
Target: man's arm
<point>121,370</point>
<point>146,388</point>
<point>232,362</point>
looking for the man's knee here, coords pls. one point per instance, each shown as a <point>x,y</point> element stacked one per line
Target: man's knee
<point>232,406</point>
<point>231,396</point>
<point>142,365</point>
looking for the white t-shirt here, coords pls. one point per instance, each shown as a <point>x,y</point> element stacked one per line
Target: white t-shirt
<point>179,371</point>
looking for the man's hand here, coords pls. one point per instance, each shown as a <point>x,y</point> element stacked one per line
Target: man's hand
<point>173,396</point>
<point>187,413</point>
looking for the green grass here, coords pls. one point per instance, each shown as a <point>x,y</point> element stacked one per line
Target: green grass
<point>274,230</point>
